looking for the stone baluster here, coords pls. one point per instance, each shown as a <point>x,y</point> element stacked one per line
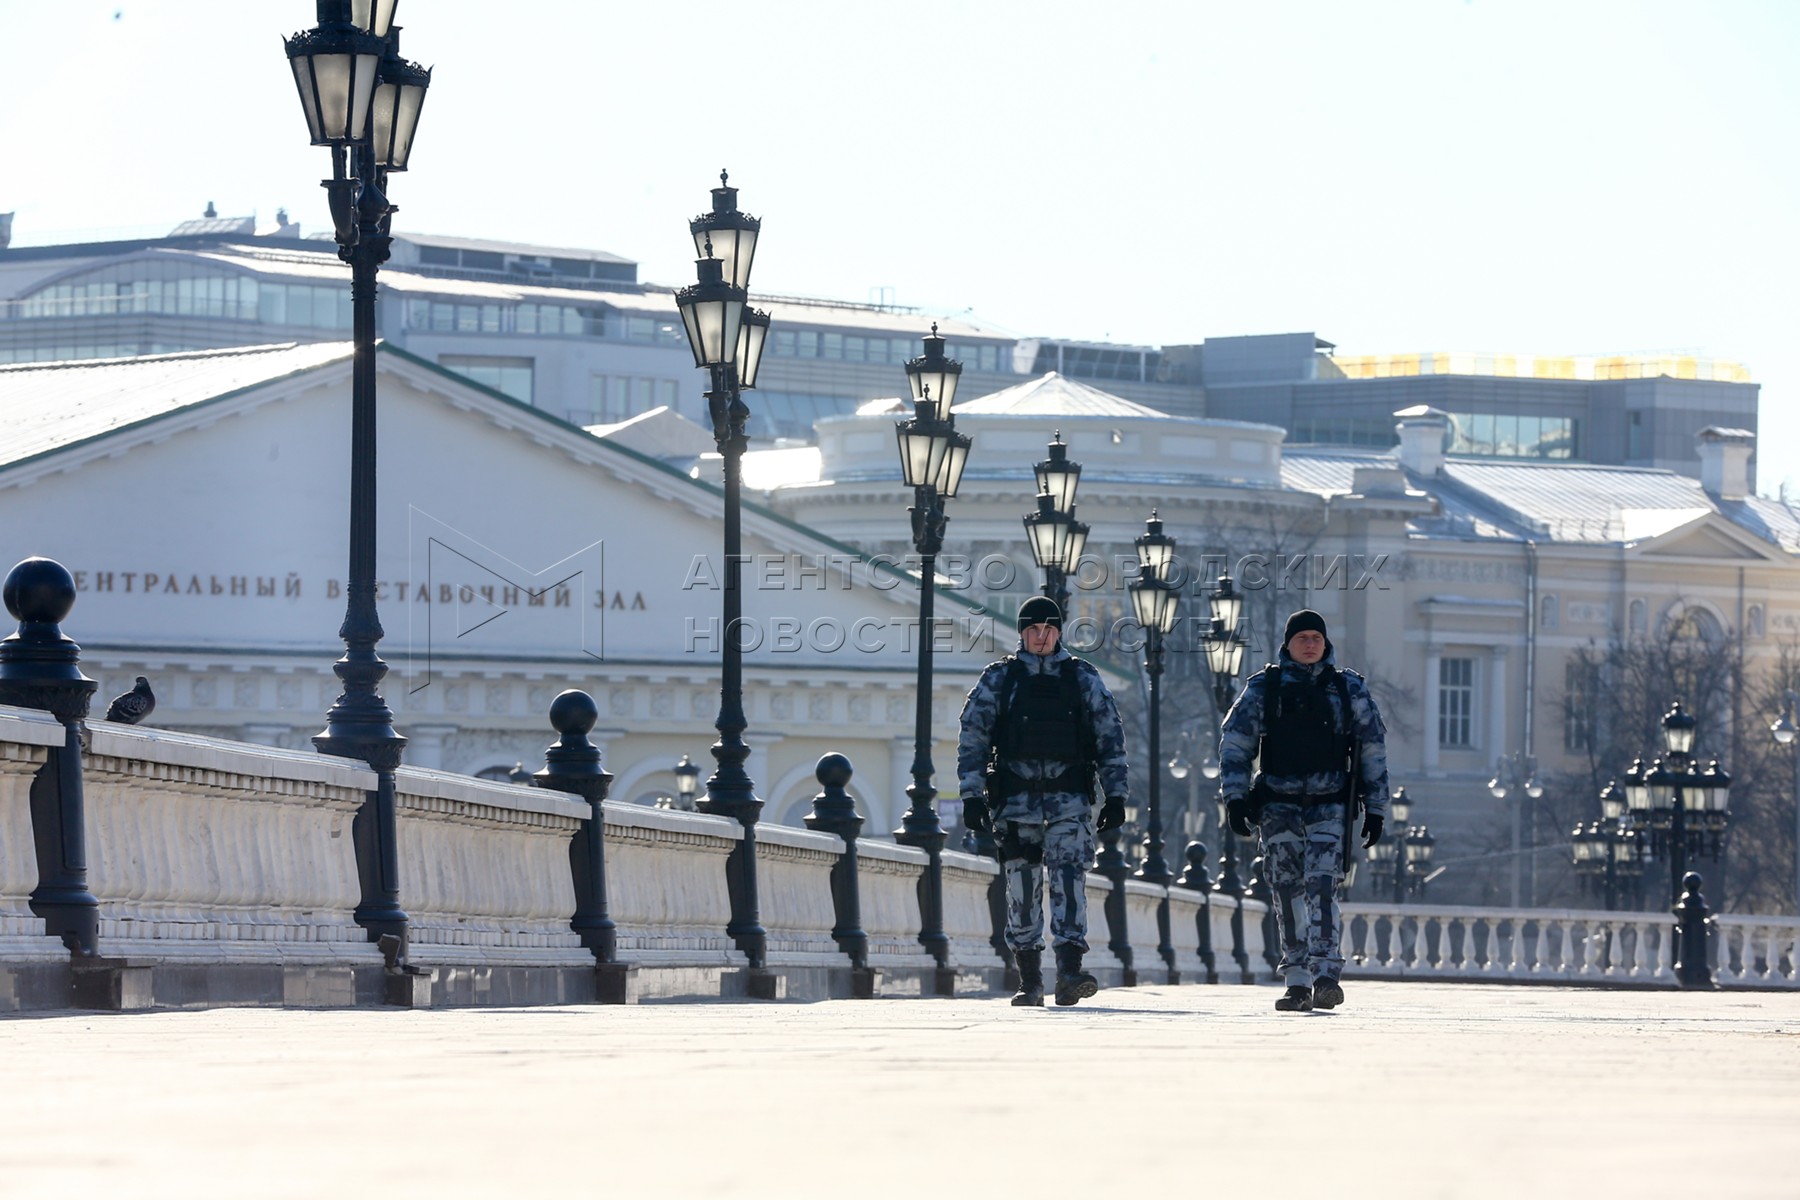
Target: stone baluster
<point>1593,935</point>
<point>1641,963</point>
<point>1465,955</point>
<point>1665,951</point>
<point>1491,961</point>
<point>834,811</point>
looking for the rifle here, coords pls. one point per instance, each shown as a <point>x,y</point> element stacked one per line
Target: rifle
<point>1352,785</point>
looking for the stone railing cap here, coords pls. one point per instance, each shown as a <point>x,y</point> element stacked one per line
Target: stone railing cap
<point>644,816</point>
<point>495,793</point>
<point>29,727</point>
<point>174,748</point>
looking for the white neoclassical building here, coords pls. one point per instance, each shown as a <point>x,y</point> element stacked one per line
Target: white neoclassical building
<point>1462,585</point>
<point>201,501</point>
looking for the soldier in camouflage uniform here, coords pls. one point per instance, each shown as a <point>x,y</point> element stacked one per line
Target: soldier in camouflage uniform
<point>1291,717</point>
<point>1045,724</point>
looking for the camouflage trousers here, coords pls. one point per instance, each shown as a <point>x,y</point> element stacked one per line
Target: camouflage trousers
<point>1302,849</point>
<point>1063,846</point>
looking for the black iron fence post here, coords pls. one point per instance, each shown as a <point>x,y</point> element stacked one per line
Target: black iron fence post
<point>1693,963</point>
<point>1271,932</point>
<point>1112,865</point>
<point>835,812</point>
<point>572,765</point>
<point>40,668</point>
<point>1194,878</point>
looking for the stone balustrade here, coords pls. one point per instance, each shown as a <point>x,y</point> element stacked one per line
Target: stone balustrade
<point>226,873</point>
<point>1502,945</point>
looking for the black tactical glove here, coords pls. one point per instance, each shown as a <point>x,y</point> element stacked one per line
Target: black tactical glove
<point>1371,830</point>
<point>976,815</point>
<point>1237,812</point>
<point>1112,814</point>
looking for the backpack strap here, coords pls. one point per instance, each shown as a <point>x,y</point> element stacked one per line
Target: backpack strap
<point>1009,683</point>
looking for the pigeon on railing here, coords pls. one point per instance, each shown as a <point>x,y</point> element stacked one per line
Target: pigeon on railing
<point>134,705</point>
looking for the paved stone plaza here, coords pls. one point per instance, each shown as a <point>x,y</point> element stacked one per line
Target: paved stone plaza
<point>1421,1090</point>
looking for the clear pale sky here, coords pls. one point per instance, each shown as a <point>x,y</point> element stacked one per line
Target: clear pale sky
<point>1544,178</point>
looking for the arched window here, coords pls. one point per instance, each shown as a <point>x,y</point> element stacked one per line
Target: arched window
<point>1698,624</point>
<point>1639,619</point>
<point>1549,612</point>
<point>1753,620</point>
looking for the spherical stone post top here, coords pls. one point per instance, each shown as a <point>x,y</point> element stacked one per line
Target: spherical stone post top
<point>40,591</point>
<point>574,714</point>
<point>1196,853</point>
<point>834,771</point>
<point>1691,881</point>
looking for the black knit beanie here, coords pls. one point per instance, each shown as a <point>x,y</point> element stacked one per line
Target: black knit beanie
<point>1302,621</point>
<point>1039,610</point>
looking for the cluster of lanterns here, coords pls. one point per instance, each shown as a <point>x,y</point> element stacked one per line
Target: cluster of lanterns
<point>1673,808</point>
<point>1403,861</point>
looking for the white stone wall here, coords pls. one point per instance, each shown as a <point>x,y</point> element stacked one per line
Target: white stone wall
<point>25,739</point>
<point>206,850</point>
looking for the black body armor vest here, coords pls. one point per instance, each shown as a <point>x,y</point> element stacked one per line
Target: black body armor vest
<point>1043,719</point>
<point>1300,730</point>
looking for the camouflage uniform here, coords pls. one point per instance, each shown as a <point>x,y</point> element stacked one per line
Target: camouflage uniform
<point>1054,828</point>
<point>1303,836</point>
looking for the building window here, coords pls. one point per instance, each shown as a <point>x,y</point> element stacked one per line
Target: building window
<point>1514,435</point>
<point>1456,702</point>
<point>509,375</point>
<point>1753,620</point>
<point>1581,687</point>
<point>1549,612</point>
<point>608,396</point>
<point>1638,618</point>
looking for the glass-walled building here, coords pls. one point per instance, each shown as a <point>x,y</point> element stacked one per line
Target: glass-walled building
<point>576,333</point>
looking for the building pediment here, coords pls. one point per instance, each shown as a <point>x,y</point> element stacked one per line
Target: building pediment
<point>1708,537</point>
<point>504,535</point>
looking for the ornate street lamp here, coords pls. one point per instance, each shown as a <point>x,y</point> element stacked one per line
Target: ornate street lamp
<point>1685,812</point>
<point>1784,730</point>
<point>687,783</point>
<point>1402,862</point>
<point>1225,643</point>
<point>731,234</point>
<point>932,375</point>
<point>1056,538</point>
<point>713,314</point>
<point>348,70</point>
<point>1419,846</point>
<point>1155,599</point>
<point>1607,852</point>
<point>932,457</point>
<point>1515,775</point>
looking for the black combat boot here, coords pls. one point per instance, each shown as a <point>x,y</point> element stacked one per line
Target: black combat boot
<point>1295,999</point>
<point>1072,983</point>
<point>1327,993</point>
<point>1031,979</point>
